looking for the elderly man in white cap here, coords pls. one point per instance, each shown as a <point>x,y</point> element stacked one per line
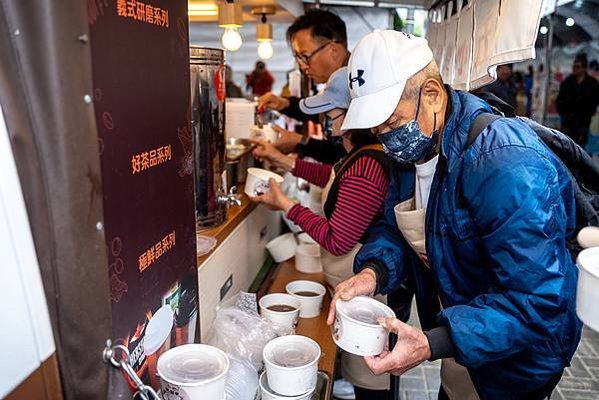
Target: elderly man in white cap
<point>483,225</point>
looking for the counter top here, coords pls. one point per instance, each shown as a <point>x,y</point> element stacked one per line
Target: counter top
<point>235,215</point>
<point>314,328</point>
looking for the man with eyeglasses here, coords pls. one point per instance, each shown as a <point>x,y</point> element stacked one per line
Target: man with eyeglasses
<point>319,44</point>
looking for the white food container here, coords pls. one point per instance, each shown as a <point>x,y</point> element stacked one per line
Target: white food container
<point>268,394</point>
<point>266,133</point>
<point>307,258</point>
<point>157,340</point>
<point>304,238</point>
<point>283,247</point>
<point>194,372</point>
<point>356,330</point>
<point>287,319</point>
<point>257,181</point>
<point>311,305</point>
<point>292,365</point>
<point>587,295</point>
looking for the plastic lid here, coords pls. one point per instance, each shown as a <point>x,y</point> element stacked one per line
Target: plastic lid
<point>192,364</point>
<point>364,310</point>
<point>205,244</point>
<point>588,260</point>
<point>292,351</point>
<point>158,329</point>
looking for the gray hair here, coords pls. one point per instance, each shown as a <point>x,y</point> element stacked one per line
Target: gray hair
<point>412,89</point>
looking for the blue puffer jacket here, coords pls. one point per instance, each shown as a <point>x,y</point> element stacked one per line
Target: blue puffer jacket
<point>498,217</point>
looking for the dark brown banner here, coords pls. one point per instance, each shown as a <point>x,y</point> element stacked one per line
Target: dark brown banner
<point>140,53</point>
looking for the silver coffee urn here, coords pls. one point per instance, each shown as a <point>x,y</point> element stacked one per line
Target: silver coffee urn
<point>207,74</point>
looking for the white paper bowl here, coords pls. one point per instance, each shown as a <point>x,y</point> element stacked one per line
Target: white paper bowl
<point>304,238</point>
<point>311,305</point>
<point>587,295</point>
<point>291,365</point>
<point>268,394</point>
<point>286,319</point>
<point>257,181</point>
<point>307,258</point>
<point>356,330</point>
<point>267,133</point>
<point>283,247</point>
<point>194,372</point>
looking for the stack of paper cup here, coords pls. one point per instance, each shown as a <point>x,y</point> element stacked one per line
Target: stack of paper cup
<point>307,258</point>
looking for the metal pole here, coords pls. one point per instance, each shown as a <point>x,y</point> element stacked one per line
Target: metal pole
<point>548,51</point>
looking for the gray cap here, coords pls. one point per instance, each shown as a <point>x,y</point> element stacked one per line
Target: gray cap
<point>335,95</point>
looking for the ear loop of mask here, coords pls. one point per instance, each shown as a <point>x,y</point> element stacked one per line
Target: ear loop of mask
<point>418,111</point>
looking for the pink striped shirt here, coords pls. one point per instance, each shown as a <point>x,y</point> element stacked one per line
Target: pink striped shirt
<point>361,197</point>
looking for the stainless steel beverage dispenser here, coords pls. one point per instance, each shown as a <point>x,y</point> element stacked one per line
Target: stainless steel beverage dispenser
<point>208,125</point>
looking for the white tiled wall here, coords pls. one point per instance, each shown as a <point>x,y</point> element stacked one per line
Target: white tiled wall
<point>240,255</point>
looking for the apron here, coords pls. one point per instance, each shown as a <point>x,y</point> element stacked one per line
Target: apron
<point>338,269</point>
<point>454,377</point>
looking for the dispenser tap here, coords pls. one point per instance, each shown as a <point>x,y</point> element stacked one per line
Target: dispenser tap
<point>231,198</point>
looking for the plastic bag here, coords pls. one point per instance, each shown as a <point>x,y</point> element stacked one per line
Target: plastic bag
<point>239,331</point>
<point>242,380</point>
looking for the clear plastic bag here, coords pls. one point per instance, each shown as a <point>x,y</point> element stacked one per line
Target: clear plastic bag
<point>240,332</point>
<point>242,380</point>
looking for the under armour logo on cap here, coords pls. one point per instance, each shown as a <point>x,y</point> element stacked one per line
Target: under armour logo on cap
<point>358,79</point>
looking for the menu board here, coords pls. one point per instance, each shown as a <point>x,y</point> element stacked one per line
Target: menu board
<point>141,97</point>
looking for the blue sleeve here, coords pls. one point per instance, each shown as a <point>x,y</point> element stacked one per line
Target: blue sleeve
<point>384,246</point>
<point>520,202</point>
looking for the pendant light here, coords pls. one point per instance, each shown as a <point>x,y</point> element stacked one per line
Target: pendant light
<point>230,17</point>
<point>264,32</point>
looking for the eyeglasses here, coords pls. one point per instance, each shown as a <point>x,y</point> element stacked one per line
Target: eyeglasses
<point>305,58</point>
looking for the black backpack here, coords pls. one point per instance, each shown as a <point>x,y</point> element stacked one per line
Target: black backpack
<point>584,171</point>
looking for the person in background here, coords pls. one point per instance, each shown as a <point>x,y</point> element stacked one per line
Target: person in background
<point>260,80</point>
<point>577,101</point>
<point>528,82</point>
<point>232,90</point>
<point>504,87</point>
<point>319,43</point>
<point>489,220</point>
<point>352,199</point>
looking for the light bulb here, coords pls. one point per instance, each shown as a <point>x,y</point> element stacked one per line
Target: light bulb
<point>570,22</point>
<point>543,30</point>
<point>231,39</point>
<point>265,50</point>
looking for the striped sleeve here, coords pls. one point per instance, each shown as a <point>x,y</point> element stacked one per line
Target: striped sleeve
<point>316,173</point>
<point>362,191</point>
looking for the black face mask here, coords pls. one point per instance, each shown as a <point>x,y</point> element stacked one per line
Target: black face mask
<point>328,130</point>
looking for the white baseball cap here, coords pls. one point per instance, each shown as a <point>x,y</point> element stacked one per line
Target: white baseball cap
<point>334,95</point>
<point>379,68</point>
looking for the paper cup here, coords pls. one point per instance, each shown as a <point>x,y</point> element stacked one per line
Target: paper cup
<point>356,329</point>
<point>287,319</point>
<point>283,247</point>
<point>307,258</point>
<point>267,133</point>
<point>310,295</point>
<point>268,394</point>
<point>257,181</point>
<point>157,340</point>
<point>194,372</point>
<point>304,238</point>
<point>587,295</point>
<point>291,365</point>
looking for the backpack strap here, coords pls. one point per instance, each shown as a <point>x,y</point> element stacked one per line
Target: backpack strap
<point>480,123</point>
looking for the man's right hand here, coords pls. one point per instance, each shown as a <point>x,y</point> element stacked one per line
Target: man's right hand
<point>288,141</point>
<point>362,284</point>
<point>272,101</point>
